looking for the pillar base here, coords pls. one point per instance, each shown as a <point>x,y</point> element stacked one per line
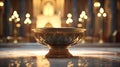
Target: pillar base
<point>59,53</point>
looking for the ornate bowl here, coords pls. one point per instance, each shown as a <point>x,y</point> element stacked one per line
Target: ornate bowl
<point>58,40</point>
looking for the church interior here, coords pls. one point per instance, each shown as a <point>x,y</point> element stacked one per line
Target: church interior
<point>59,33</point>
<point>99,17</point>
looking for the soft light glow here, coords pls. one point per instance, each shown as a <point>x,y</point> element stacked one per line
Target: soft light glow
<point>79,25</point>
<point>9,37</point>
<point>89,52</point>
<point>14,17</point>
<point>83,13</point>
<point>70,64</point>
<point>15,41</point>
<point>48,18</point>
<point>10,19</point>
<point>85,17</point>
<point>18,19</point>
<point>101,41</point>
<point>18,25</point>
<point>69,20</point>
<point>104,14</point>
<point>1,4</point>
<point>42,62</point>
<point>101,10</point>
<point>80,19</point>
<point>27,20</point>
<point>115,33</point>
<point>97,4</point>
<point>99,14</point>
<point>48,9</point>
<point>15,14</point>
<point>27,15</point>
<point>54,20</point>
<point>69,15</point>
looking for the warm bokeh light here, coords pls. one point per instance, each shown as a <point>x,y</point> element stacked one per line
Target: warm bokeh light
<point>85,17</point>
<point>27,15</point>
<point>82,14</point>
<point>15,14</point>
<point>99,14</point>
<point>42,62</point>
<point>80,19</point>
<point>115,33</point>
<point>1,3</point>
<point>10,19</point>
<point>101,10</point>
<point>69,18</point>
<point>18,25</point>
<point>18,19</point>
<point>27,20</point>
<point>9,37</point>
<point>104,14</point>
<point>14,17</point>
<point>79,25</point>
<point>53,21</point>
<point>97,4</point>
<point>69,15</point>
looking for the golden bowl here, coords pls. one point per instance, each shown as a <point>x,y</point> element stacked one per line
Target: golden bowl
<point>58,40</point>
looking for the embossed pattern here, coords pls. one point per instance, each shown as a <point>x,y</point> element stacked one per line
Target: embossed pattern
<point>58,36</point>
<point>58,39</point>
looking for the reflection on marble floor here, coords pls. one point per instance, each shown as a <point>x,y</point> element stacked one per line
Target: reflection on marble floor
<point>34,56</point>
<point>41,61</point>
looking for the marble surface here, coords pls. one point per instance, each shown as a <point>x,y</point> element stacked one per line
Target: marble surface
<point>33,55</point>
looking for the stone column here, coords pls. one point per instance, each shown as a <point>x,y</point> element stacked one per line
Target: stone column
<point>22,16</point>
<point>6,26</point>
<point>107,20</point>
<point>90,25</point>
<point>1,20</point>
<point>113,7</point>
<point>74,12</point>
<point>96,22</point>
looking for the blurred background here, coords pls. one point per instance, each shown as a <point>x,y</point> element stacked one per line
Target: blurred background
<point>99,17</point>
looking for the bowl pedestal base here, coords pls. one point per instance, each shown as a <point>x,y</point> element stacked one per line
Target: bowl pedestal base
<point>59,53</point>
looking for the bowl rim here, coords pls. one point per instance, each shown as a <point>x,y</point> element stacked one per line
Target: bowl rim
<point>65,29</point>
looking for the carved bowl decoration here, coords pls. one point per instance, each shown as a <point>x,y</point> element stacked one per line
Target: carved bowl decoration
<point>58,40</point>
